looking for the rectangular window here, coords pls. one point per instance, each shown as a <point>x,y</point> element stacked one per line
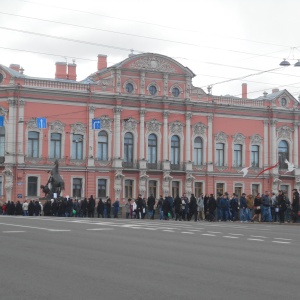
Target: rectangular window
<point>128,188</point>
<point>32,184</point>
<point>55,145</point>
<point>33,144</point>
<point>237,155</point>
<point>152,188</point>
<point>220,154</point>
<point>175,188</point>
<point>2,141</point>
<point>220,188</point>
<point>102,192</point>
<point>77,146</point>
<point>238,189</point>
<point>255,156</point>
<point>77,187</point>
<point>255,189</point>
<point>198,189</point>
<point>285,189</point>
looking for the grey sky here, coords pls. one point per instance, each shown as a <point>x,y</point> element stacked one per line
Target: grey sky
<point>217,39</point>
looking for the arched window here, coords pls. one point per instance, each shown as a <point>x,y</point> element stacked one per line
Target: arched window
<point>152,149</point>
<point>283,154</point>
<point>128,148</point>
<point>255,156</point>
<point>55,145</point>
<point>2,141</point>
<point>237,155</point>
<point>175,150</point>
<point>102,146</point>
<point>129,88</point>
<point>33,144</point>
<point>220,149</point>
<point>198,151</point>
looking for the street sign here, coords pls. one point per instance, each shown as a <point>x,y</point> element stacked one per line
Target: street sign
<point>20,196</point>
<point>1,121</point>
<point>41,123</point>
<point>96,124</point>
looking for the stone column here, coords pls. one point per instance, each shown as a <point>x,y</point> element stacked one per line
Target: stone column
<point>296,151</point>
<point>166,163</point>
<point>210,165</point>
<point>20,137</point>
<point>166,84</point>
<point>91,133</point>
<point>142,83</point>
<point>117,138</point>
<point>188,163</point>
<point>10,132</point>
<point>143,160</point>
<point>266,144</point>
<point>274,159</point>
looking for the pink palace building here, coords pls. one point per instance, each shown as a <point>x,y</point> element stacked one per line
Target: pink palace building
<point>140,126</point>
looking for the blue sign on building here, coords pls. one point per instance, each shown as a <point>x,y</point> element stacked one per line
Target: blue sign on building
<point>1,121</point>
<point>41,123</point>
<point>96,124</point>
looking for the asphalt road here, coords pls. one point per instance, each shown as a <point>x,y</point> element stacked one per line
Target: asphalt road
<point>68,258</point>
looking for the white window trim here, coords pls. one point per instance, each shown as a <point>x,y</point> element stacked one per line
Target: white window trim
<point>107,178</point>
<point>38,186</point>
<point>159,139</point>
<point>109,145</point>
<point>83,185</point>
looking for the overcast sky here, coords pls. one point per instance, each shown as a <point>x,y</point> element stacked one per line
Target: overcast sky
<point>219,40</point>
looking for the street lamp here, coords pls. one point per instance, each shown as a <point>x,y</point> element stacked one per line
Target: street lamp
<point>285,63</point>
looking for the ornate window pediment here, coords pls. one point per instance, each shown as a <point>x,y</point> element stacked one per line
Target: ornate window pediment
<point>130,124</point>
<point>284,132</point>
<point>31,125</point>
<point>256,139</point>
<point>238,138</point>
<point>153,126</point>
<point>221,137</point>
<point>57,126</point>
<point>78,128</point>
<point>3,111</point>
<point>199,129</point>
<point>176,127</point>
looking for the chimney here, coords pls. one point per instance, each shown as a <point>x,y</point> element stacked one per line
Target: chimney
<point>15,67</point>
<point>275,90</point>
<point>244,91</point>
<point>61,70</point>
<point>102,62</point>
<point>72,71</point>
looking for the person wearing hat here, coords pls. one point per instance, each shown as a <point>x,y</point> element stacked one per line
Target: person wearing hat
<point>295,206</point>
<point>243,208</point>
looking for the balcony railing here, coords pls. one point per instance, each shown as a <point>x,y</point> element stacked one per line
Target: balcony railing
<point>129,165</point>
<point>176,167</point>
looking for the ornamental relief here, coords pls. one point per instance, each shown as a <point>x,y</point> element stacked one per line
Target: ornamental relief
<point>238,138</point>
<point>57,126</point>
<point>256,139</point>
<point>153,63</point>
<point>199,129</point>
<point>31,125</point>
<point>284,132</point>
<point>176,127</point>
<point>130,124</point>
<point>78,128</point>
<point>153,126</point>
<point>106,122</point>
<point>221,137</point>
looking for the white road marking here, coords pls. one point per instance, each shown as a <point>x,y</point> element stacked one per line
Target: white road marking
<point>13,231</point>
<point>236,234</point>
<point>100,229</point>
<point>283,239</point>
<point>259,240</point>
<point>230,237</point>
<point>32,227</point>
<point>208,234</point>
<point>280,242</point>
<point>214,232</point>
<point>58,230</point>
<point>187,232</point>
<point>168,230</point>
<point>259,236</point>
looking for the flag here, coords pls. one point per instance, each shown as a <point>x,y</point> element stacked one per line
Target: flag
<point>267,169</point>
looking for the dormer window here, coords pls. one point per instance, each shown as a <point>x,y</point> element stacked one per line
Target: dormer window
<point>175,92</point>
<point>129,88</point>
<point>1,78</point>
<point>283,102</point>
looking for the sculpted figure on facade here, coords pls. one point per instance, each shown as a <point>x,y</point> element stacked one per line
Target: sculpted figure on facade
<point>8,175</point>
<point>284,132</point>
<point>143,175</point>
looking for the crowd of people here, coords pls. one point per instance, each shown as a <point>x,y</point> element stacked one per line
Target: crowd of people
<point>246,208</point>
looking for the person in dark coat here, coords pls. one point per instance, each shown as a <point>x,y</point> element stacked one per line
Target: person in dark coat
<point>69,207</point>
<point>91,207</point>
<point>19,210</point>
<point>100,208</point>
<point>206,212</point>
<point>150,204</point>
<point>282,205</point>
<point>84,207</point>
<point>166,207</point>
<point>212,205</point>
<point>178,209</point>
<point>37,208</point>
<point>30,208</point>
<point>108,206</point>
<point>139,207</point>
<point>116,206</point>
<point>47,208</point>
<point>54,207</point>
<point>193,208</point>
<point>295,205</point>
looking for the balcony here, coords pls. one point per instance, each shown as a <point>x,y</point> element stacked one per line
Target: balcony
<point>153,166</point>
<point>129,165</point>
<point>176,167</point>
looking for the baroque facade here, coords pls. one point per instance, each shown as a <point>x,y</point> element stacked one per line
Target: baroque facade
<point>159,134</point>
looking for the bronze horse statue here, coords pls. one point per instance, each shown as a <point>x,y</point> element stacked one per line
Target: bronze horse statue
<point>56,182</point>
